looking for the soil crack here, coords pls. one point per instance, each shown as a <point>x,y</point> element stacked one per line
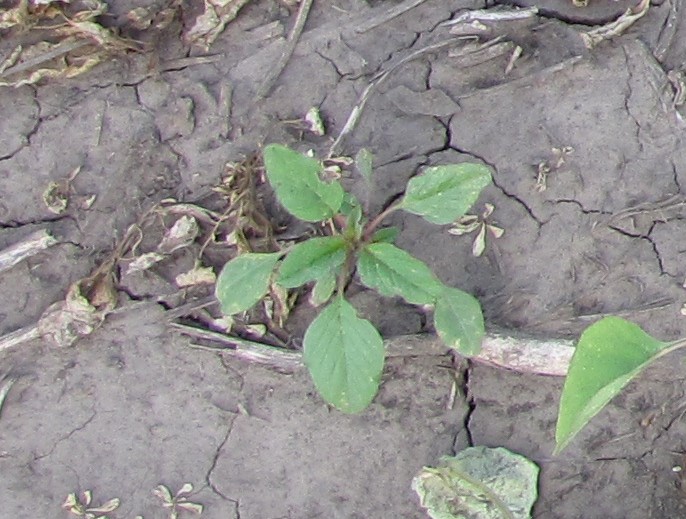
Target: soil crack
<point>476,156</point>
<point>652,243</point>
<point>215,460</point>
<point>581,206</point>
<point>26,138</point>
<point>628,94</point>
<point>66,437</point>
<point>471,407</point>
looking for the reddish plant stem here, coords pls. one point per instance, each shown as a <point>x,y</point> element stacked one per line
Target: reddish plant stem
<point>376,221</point>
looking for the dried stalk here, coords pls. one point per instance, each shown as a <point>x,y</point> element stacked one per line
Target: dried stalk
<point>31,245</point>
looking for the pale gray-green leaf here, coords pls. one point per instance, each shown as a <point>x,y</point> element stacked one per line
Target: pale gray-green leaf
<point>363,163</point>
<point>323,289</point>
<point>441,194</point>
<point>479,482</point>
<point>345,357</point>
<point>312,260</point>
<point>295,179</point>
<point>393,272</point>
<point>244,281</point>
<point>459,321</point>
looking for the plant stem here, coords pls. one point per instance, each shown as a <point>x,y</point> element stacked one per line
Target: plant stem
<point>374,224</point>
<point>672,346</point>
<point>346,270</point>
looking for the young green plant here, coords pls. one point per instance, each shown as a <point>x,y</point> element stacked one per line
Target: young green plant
<point>343,352</point>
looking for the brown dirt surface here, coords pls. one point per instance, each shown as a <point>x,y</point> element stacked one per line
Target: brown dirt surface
<point>587,152</point>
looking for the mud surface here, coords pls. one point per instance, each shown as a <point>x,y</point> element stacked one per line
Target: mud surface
<point>587,151</point>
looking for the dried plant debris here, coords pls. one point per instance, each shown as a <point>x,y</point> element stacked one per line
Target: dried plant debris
<point>6,383</point>
<point>72,40</point>
<point>209,25</point>
<point>178,502</point>
<point>65,322</point>
<point>198,275</point>
<point>616,28</point>
<point>555,163</point>
<point>59,194</point>
<point>311,122</point>
<point>479,482</point>
<point>480,224</point>
<point>180,234</point>
<point>251,228</point>
<point>81,506</point>
<point>157,16</point>
<point>31,245</point>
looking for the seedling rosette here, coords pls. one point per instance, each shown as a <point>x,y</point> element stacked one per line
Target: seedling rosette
<point>344,352</point>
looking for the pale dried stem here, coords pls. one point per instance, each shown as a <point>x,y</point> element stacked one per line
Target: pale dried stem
<point>31,245</point>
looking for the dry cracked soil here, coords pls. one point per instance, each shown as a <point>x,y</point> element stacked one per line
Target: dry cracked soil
<point>587,151</point>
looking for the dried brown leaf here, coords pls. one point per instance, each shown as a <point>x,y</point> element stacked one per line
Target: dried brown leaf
<point>63,71</point>
<point>144,262</point>
<point>11,59</point>
<point>107,507</point>
<point>209,25</point>
<point>103,294</point>
<point>195,508</point>
<point>182,234</point>
<point>196,276</point>
<point>5,387</point>
<point>56,197</point>
<point>187,488</point>
<point>163,493</point>
<point>65,322</point>
<point>479,244</point>
<point>70,502</point>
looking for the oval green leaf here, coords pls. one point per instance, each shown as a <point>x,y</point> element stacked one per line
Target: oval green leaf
<point>488,483</point>
<point>386,235</point>
<point>610,353</point>
<point>459,321</point>
<point>312,260</point>
<point>244,281</point>
<point>345,356</point>
<point>295,179</point>
<point>441,194</point>
<point>393,272</point>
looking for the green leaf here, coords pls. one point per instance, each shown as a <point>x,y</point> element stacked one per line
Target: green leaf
<point>393,272</point>
<point>311,260</point>
<point>323,289</point>
<point>479,482</point>
<point>441,194</point>
<point>244,281</point>
<point>354,221</point>
<point>363,163</point>
<point>386,235</point>
<point>349,204</point>
<point>345,356</point>
<point>459,321</point>
<point>610,353</point>
<point>295,179</point>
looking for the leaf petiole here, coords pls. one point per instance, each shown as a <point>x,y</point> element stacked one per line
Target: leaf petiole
<point>376,221</point>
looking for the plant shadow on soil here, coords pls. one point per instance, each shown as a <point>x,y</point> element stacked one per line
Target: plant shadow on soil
<point>133,405</point>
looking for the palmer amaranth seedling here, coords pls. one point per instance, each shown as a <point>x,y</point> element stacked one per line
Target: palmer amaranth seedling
<point>343,352</point>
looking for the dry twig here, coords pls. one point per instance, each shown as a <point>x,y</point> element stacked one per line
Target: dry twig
<point>33,244</point>
<point>290,44</point>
